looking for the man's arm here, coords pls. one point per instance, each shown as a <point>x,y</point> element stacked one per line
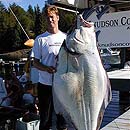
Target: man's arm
<point>40,66</point>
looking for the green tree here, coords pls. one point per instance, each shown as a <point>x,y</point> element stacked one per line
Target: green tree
<point>31,16</point>
<point>66,20</point>
<point>3,24</point>
<point>38,21</point>
<point>8,39</point>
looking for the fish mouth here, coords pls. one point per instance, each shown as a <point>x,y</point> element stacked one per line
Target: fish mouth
<point>80,41</point>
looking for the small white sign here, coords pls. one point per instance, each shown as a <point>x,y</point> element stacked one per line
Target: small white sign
<point>112,29</point>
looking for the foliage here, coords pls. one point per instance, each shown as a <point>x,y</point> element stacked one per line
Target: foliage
<point>66,20</point>
<point>12,36</point>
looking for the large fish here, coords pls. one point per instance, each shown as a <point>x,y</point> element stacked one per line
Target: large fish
<point>81,86</point>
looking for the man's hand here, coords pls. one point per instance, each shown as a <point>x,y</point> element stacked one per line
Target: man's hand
<point>51,69</point>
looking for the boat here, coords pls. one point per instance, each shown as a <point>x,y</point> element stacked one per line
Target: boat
<point>110,56</point>
<point>15,55</point>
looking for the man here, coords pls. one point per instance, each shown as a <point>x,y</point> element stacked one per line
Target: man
<point>46,48</point>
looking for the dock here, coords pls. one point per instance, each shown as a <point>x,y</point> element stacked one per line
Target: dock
<point>117,114</point>
<point>120,123</point>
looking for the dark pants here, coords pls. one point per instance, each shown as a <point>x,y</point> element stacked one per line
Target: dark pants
<point>46,108</point>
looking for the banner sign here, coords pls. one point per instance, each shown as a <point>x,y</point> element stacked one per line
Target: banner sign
<point>112,29</point>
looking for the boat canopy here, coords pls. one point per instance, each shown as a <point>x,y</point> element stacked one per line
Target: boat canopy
<point>81,4</point>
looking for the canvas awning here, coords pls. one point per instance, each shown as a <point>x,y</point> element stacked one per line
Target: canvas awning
<point>81,4</point>
<point>70,3</point>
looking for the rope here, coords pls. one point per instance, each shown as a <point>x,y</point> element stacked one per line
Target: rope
<point>117,125</point>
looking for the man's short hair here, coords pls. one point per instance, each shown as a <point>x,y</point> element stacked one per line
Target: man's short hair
<point>51,9</point>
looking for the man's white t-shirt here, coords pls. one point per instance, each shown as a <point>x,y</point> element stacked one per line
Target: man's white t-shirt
<point>46,48</point>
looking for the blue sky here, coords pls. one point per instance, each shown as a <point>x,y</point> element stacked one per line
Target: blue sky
<point>25,3</point>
